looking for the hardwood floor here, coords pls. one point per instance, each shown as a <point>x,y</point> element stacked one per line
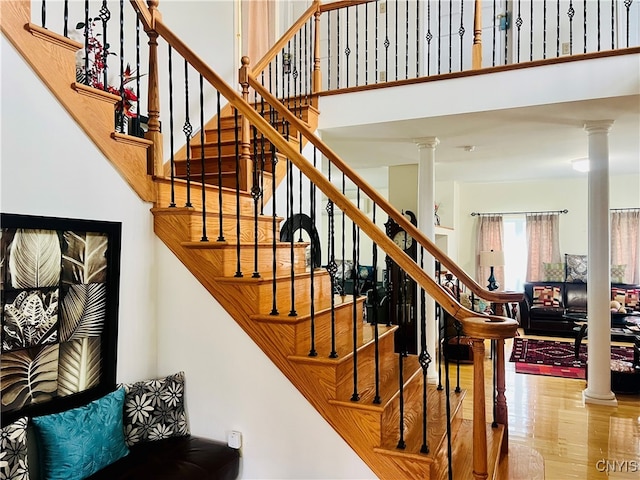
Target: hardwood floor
<point>575,441</point>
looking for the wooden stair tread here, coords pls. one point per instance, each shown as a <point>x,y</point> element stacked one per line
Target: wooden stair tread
<point>212,243</point>
<point>321,305</point>
<point>344,347</point>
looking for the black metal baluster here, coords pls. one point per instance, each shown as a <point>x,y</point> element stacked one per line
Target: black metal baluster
<point>329,51</point>
<point>338,85</point>
<point>274,160</point>
<point>424,358</point>
<point>494,362</point>
<point>401,356</point>
<point>558,28</point>
<point>300,239</point>
<point>66,18</point>
<point>43,13</point>
<point>439,59</point>
<point>375,73</point>
<point>447,392</point>
<point>458,327</point>
<point>219,146</point>
<point>307,89</point>
<point>531,31</point>
<point>277,73</point>
<point>237,158</point>
<point>366,43</point>
<point>396,39</point>
<point>105,15</point>
<point>493,37</point>
<point>417,39</point>
<point>570,13</point>
<point>137,74</point>
<point>428,37</point>
<point>357,45</point>
<point>287,71</point>
<point>262,155</point>
<point>450,34</point>
<point>627,4</point>
<point>256,193</point>
<point>120,112</point>
<point>519,22</point>
<point>386,42</point>
<point>292,312</point>
<point>343,240</point>
<point>506,39</point>
<point>332,268</point>
<point>347,50</point>
<point>88,77</point>
<point>295,76</point>
<point>171,143</point>
<point>312,257</point>
<point>406,40</point>
<point>461,32</point>
<point>584,26</point>
<point>613,23</point>
<point>374,314</point>
<point>544,29</point>
<point>202,165</point>
<point>355,327</point>
<point>187,129</point>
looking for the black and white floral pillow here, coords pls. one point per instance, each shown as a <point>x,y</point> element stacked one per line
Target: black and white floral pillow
<point>13,451</point>
<point>154,409</point>
<point>576,268</point>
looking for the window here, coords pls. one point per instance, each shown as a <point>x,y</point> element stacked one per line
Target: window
<point>515,252</point>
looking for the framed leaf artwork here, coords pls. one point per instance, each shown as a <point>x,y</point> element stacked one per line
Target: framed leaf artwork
<point>59,283</point>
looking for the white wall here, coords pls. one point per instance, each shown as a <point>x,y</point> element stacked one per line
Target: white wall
<point>167,321</point>
<point>49,167</point>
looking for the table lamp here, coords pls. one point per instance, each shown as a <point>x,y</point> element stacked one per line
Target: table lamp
<point>492,259</point>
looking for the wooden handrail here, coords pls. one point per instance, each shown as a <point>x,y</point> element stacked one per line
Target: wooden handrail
<point>328,7</point>
<point>288,35</point>
<point>375,196</point>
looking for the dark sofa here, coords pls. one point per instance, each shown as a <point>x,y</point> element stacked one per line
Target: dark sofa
<point>545,316</point>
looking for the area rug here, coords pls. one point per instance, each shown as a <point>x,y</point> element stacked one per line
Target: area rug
<point>556,358</point>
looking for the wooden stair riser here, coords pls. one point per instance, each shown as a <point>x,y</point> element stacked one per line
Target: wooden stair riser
<point>244,174</point>
<point>229,227</point>
<point>212,201</point>
<point>257,295</point>
<point>223,258</point>
<point>228,138</point>
<point>343,317</point>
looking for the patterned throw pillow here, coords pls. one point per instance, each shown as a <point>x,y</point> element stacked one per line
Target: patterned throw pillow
<point>619,295</point>
<point>576,268</point>
<point>547,296</point>
<point>632,300</point>
<point>617,273</point>
<point>154,409</point>
<point>553,272</point>
<point>13,450</point>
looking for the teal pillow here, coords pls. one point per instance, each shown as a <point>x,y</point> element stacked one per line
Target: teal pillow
<point>78,442</point>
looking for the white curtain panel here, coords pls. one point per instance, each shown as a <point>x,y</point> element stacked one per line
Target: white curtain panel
<point>625,243</point>
<point>490,236</point>
<point>543,243</point>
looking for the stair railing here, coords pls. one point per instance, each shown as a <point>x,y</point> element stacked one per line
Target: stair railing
<point>479,328</point>
<point>368,42</point>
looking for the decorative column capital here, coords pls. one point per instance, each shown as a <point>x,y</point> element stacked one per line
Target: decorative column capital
<point>598,126</point>
<point>426,142</point>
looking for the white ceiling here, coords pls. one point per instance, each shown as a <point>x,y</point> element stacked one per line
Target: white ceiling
<point>533,142</point>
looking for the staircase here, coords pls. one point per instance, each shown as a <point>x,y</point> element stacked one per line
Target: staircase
<point>283,298</point>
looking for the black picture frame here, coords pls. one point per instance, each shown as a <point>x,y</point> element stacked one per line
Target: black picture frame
<point>61,325</point>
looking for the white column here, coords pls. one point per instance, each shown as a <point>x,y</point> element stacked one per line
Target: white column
<point>599,281</point>
<point>426,199</point>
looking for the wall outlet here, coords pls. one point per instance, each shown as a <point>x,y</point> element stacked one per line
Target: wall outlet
<point>566,48</point>
<point>234,439</point>
<point>382,76</point>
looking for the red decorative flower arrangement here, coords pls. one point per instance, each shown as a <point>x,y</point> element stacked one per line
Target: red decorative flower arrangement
<point>91,66</point>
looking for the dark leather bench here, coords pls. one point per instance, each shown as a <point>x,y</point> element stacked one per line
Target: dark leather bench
<point>177,458</point>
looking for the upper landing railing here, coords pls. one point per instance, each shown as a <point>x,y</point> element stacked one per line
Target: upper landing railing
<point>363,43</point>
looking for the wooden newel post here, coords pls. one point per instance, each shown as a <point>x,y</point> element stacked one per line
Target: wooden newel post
<point>502,416</point>
<point>155,158</point>
<point>245,138</point>
<point>479,414</point>
<point>317,75</point>
<point>476,50</point>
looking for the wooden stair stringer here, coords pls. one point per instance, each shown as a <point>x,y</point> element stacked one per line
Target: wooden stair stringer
<point>359,428</point>
<point>52,57</point>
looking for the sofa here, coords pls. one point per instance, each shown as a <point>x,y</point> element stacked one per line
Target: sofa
<point>137,431</point>
<point>545,305</point>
